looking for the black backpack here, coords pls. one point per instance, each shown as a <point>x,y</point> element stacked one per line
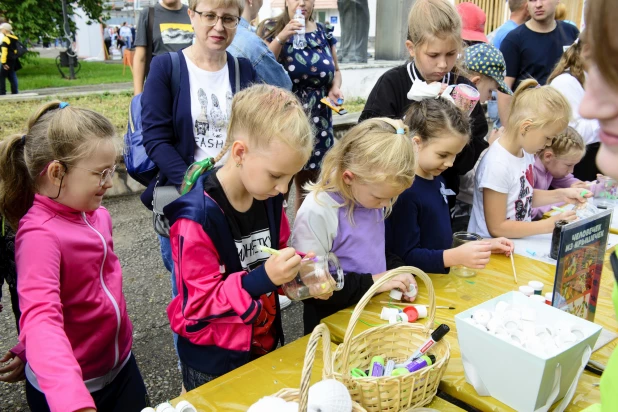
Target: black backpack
<point>20,49</point>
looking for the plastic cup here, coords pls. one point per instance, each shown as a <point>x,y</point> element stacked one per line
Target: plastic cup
<point>465,97</point>
<point>606,192</point>
<point>317,276</point>
<point>459,238</point>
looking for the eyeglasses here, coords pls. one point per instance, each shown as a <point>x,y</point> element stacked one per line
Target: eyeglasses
<point>105,174</point>
<point>210,19</point>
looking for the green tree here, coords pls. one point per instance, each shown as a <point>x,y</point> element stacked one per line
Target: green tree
<point>33,18</point>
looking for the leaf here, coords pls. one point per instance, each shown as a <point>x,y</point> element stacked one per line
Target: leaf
<point>315,58</point>
<point>299,58</point>
<point>290,49</point>
<point>312,102</point>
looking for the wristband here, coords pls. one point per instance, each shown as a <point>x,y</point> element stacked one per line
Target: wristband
<point>278,40</point>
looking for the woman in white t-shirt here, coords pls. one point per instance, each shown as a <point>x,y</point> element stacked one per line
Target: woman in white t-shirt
<point>569,78</point>
<point>503,186</point>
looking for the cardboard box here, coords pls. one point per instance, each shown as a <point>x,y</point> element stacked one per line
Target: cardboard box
<point>511,374</point>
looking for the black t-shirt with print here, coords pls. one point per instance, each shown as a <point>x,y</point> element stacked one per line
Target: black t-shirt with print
<point>250,230</point>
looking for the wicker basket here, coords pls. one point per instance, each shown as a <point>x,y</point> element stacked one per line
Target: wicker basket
<point>397,342</point>
<point>301,395</point>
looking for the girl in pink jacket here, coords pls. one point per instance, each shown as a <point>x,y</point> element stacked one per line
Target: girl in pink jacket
<point>74,322</point>
<point>226,312</point>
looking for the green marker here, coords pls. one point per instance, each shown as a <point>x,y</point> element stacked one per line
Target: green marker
<point>583,193</point>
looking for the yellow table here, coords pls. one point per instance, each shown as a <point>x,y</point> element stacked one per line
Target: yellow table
<point>239,389</point>
<point>494,280</point>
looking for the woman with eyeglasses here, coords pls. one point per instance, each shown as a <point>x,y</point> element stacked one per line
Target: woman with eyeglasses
<point>314,72</point>
<point>601,102</point>
<point>189,124</point>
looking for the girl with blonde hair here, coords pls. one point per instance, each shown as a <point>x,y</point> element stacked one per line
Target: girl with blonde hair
<point>226,312</point>
<point>504,193</point>
<point>554,165</point>
<point>344,212</point>
<point>434,43</point>
<point>74,322</point>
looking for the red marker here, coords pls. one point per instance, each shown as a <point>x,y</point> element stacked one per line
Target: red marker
<point>435,337</point>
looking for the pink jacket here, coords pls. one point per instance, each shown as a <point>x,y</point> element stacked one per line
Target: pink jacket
<point>544,180</point>
<point>74,320</point>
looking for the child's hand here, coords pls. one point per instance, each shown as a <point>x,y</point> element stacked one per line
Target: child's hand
<point>474,255</point>
<point>502,245</point>
<point>572,195</point>
<point>569,216</point>
<point>581,185</point>
<point>13,371</point>
<point>413,283</point>
<point>401,282</point>
<point>283,267</point>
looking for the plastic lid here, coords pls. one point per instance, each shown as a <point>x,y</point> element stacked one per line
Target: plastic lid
<point>536,285</point>
<point>439,333</point>
<point>411,312</point>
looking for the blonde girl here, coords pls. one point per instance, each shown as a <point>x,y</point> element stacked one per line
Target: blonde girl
<point>554,165</point>
<point>74,321</point>
<point>418,231</point>
<point>361,177</point>
<point>226,312</point>
<point>504,192</point>
<point>434,42</point>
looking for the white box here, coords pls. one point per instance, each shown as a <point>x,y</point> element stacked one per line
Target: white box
<point>511,374</point>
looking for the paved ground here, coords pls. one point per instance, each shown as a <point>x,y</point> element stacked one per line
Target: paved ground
<point>147,290</point>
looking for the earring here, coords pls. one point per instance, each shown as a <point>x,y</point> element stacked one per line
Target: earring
<point>238,164</point>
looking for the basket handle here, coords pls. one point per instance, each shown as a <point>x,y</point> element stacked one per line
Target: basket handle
<point>320,331</point>
<point>360,306</point>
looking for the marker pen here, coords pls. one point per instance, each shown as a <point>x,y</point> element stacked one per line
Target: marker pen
<point>437,334</point>
<point>421,362</point>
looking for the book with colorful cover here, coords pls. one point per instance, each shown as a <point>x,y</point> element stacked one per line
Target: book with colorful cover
<point>580,263</point>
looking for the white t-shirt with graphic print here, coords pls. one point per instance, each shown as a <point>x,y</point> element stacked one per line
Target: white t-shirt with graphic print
<point>503,172</point>
<point>211,105</point>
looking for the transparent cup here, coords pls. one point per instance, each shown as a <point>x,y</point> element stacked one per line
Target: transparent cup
<point>319,275</point>
<point>459,238</point>
<point>606,192</point>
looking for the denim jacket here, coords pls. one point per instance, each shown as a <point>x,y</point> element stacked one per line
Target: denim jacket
<point>247,44</point>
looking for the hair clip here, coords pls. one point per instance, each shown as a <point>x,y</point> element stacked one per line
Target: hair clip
<point>62,105</point>
<point>401,131</point>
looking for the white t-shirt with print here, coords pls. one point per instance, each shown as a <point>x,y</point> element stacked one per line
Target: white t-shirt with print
<point>211,105</point>
<point>503,172</point>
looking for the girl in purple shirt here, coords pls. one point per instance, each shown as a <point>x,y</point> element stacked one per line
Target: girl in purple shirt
<point>553,166</point>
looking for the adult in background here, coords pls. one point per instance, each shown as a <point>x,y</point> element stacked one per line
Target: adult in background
<point>354,17</point>
<point>10,62</point>
<point>247,44</point>
<point>314,72</point>
<point>519,15</point>
<point>171,31</point>
<point>473,20</point>
<point>533,49</point>
<point>192,125</point>
<point>569,76</point>
<point>127,36</point>
<point>601,102</point>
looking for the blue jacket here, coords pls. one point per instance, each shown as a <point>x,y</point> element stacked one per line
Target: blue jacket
<point>249,45</point>
<point>199,341</point>
<point>166,120</point>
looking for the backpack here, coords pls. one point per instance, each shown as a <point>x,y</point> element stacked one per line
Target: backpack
<point>138,165</point>
<point>20,49</point>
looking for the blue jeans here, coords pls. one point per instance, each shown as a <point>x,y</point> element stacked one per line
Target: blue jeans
<point>168,262</point>
<point>12,76</point>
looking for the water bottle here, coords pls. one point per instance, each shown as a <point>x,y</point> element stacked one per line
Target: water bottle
<point>299,38</point>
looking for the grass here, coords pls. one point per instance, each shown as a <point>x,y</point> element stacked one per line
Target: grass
<point>114,106</point>
<point>40,73</point>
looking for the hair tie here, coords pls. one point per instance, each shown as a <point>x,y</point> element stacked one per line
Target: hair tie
<point>23,140</point>
<point>401,131</point>
<point>62,105</point>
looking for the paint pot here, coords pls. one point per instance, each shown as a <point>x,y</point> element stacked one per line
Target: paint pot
<point>398,318</point>
<point>422,311</point>
<point>537,286</point>
<point>396,294</point>
<point>185,406</point>
<point>165,407</point>
<point>412,291</point>
<point>549,297</point>
<point>388,313</point>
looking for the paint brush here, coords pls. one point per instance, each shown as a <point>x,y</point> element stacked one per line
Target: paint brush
<point>272,251</point>
<point>513,265</point>
<point>412,304</point>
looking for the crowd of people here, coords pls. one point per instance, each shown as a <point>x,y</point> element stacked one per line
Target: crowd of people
<point>243,122</point>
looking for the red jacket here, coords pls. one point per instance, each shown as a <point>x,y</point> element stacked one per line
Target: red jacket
<point>218,302</point>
